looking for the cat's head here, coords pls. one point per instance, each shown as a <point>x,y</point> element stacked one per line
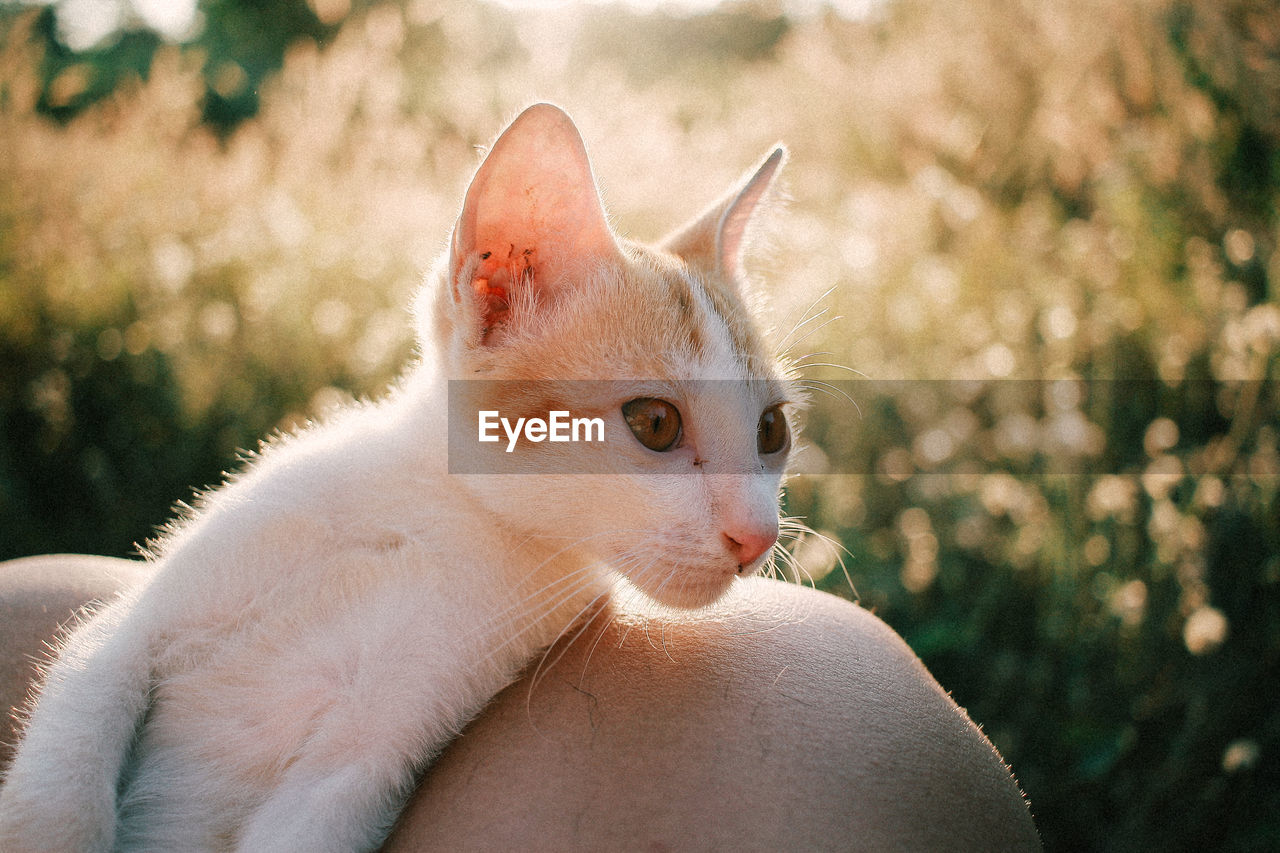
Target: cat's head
<point>541,307</point>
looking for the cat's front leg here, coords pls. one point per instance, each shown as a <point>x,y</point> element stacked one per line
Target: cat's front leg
<point>344,809</point>
<point>348,780</point>
<point>60,791</point>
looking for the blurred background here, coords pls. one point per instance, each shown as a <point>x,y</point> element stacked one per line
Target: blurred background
<point>213,215</point>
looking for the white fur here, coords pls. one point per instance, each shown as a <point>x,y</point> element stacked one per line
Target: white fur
<point>324,623</point>
<point>317,628</point>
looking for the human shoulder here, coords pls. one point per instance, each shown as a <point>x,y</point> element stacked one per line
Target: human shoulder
<point>782,718</point>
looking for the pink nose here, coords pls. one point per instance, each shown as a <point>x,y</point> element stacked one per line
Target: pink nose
<point>746,546</point>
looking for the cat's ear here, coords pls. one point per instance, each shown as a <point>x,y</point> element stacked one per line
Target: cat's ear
<point>531,223</point>
<point>716,240</point>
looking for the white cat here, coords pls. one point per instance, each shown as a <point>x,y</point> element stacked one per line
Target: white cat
<point>326,621</point>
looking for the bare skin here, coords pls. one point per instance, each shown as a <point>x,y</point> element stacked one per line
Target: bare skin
<point>781,719</point>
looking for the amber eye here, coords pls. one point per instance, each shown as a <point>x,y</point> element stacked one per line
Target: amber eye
<point>655,423</point>
<point>772,435</point>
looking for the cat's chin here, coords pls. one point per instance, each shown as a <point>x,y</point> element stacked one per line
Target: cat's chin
<point>692,595</point>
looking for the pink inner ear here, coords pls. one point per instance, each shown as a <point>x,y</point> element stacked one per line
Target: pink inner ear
<point>495,280</point>
<point>531,216</point>
<point>732,231</point>
<point>715,240</point>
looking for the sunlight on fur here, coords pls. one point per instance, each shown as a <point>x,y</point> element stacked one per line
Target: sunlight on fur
<point>348,574</point>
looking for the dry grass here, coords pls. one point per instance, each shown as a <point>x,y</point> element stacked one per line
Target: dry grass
<point>996,190</point>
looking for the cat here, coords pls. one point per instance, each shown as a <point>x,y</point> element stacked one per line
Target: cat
<point>325,622</point>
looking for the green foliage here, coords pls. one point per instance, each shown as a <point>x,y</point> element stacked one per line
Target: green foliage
<point>241,41</point>
<point>245,41</point>
<point>75,79</point>
<point>1003,194</point>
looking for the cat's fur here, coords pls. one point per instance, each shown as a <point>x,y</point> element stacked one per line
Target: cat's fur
<point>328,620</point>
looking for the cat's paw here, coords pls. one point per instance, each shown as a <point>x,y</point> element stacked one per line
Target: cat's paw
<point>38,821</point>
<point>345,810</point>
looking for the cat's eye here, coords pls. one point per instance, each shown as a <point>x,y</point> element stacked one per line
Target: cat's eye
<point>655,423</point>
<point>772,435</point>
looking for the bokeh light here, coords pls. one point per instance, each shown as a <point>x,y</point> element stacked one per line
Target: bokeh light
<point>1046,233</point>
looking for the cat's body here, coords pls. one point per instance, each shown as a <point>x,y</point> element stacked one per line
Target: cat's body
<point>327,621</point>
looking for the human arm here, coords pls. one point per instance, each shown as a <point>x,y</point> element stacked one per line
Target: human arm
<point>781,719</point>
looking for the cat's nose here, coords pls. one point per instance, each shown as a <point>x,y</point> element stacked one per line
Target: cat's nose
<point>748,544</point>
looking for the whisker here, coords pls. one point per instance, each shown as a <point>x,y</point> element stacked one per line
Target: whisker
<point>666,581</point>
<point>786,344</point>
<point>798,530</point>
<point>538,672</point>
<point>814,331</point>
<point>520,607</point>
<point>834,390</point>
<point>534,622</point>
<point>814,354</point>
<point>800,364</point>
<point>499,618</point>
<point>805,318</point>
<point>591,651</point>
